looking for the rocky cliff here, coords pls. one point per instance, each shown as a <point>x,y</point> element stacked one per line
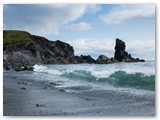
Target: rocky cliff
<point>21,51</point>
<point>20,48</point>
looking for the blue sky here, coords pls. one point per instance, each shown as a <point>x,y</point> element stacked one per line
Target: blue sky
<point>89,28</point>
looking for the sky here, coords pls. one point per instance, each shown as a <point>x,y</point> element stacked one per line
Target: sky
<point>90,28</point>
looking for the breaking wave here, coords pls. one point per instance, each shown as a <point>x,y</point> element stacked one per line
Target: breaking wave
<point>114,77</point>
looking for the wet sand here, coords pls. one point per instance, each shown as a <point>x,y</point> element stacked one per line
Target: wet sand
<point>26,97</point>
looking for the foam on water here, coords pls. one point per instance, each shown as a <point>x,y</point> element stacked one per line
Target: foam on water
<point>134,75</point>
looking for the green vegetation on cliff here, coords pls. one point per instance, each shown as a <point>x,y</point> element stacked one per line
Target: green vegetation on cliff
<point>15,36</point>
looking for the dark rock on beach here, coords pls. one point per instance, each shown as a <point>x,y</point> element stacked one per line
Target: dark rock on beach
<point>23,83</point>
<point>40,105</point>
<point>53,84</point>
<point>23,88</point>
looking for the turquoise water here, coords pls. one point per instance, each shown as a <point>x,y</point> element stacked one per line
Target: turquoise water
<point>140,75</point>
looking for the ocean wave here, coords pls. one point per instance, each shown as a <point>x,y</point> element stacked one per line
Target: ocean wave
<point>45,69</point>
<point>113,77</point>
<point>118,78</point>
<point>136,80</point>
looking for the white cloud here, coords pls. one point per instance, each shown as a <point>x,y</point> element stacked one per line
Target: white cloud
<point>44,19</point>
<point>79,26</point>
<point>94,8</point>
<point>144,49</point>
<point>93,47</point>
<point>123,13</point>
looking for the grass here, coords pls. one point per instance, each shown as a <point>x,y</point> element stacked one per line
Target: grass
<point>15,36</point>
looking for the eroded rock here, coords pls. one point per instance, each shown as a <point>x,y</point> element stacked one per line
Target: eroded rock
<point>121,55</point>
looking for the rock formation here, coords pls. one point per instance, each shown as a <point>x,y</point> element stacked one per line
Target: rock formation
<point>103,59</point>
<point>86,59</point>
<point>121,55</point>
<point>21,51</point>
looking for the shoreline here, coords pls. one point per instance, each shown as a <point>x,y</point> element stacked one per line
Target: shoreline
<point>23,96</point>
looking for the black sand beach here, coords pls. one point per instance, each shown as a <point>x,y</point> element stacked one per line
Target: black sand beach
<point>25,97</point>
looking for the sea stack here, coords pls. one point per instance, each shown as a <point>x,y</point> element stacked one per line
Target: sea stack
<point>121,55</point>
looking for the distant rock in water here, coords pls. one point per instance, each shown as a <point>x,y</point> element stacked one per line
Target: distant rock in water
<point>86,59</point>
<point>121,55</point>
<point>103,59</point>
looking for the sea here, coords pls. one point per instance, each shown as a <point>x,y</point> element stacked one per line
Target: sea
<point>133,78</point>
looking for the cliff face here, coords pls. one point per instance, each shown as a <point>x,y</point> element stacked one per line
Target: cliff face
<point>21,51</point>
<point>18,51</point>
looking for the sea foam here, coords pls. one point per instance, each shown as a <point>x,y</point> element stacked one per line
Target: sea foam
<point>136,75</point>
